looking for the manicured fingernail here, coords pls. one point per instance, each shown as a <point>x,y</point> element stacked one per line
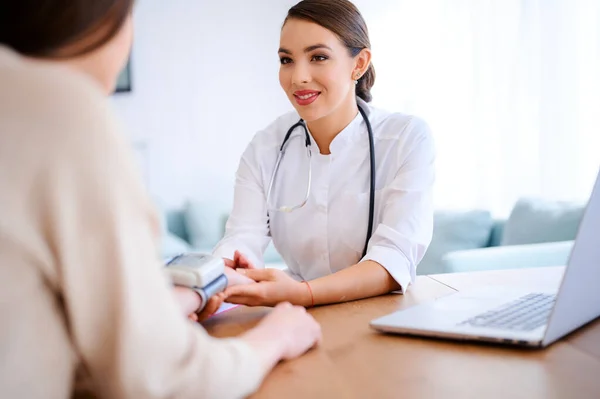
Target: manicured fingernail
<point>241,271</point>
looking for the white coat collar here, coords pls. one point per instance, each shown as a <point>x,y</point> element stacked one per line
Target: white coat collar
<point>354,131</point>
<point>350,133</point>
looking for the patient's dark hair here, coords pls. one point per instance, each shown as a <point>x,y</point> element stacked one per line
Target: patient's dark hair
<point>45,28</point>
<point>342,18</point>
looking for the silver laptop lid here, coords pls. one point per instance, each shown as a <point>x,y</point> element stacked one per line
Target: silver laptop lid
<point>578,299</point>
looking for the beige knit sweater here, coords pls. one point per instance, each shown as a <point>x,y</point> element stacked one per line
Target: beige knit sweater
<point>82,298</point>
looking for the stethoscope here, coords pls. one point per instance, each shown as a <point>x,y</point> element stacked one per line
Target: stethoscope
<point>285,208</point>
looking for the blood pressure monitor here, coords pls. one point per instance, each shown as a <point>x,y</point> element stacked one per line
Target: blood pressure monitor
<point>203,273</point>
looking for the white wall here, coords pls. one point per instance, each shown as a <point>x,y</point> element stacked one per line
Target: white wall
<point>205,79</point>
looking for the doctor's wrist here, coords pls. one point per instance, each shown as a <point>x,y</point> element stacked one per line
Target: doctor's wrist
<point>303,295</point>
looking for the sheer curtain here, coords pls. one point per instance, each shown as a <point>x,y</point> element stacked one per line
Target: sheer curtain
<point>510,88</point>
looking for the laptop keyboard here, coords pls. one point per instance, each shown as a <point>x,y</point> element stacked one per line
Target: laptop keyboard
<point>524,314</point>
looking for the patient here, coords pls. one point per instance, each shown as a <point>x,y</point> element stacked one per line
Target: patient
<point>84,305</point>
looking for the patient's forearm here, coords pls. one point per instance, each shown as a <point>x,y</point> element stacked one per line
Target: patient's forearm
<point>363,280</point>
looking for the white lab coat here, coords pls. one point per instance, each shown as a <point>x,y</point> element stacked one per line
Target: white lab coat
<point>328,234</point>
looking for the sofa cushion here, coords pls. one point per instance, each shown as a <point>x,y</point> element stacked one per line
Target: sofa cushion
<point>497,233</point>
<point>534,220</point>
<point>453,231</point>
<point>204,223</point>
<point>508,257</point>
<point>170,244</point>
<point>175,219</point>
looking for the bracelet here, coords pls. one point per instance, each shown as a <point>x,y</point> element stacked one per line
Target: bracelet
<point>312,298</point>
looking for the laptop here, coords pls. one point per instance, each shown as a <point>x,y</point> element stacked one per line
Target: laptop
<point>526,315</point>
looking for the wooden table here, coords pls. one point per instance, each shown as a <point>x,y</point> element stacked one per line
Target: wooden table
<point>355,361</point>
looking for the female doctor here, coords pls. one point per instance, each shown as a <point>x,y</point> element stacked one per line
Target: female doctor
<point>342,188</point>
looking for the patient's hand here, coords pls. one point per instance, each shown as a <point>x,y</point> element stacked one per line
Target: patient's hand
<point>189,300</point>
<point>239,261</point>
<point>214,303</point>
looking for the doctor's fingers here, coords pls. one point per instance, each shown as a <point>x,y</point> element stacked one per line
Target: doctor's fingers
<point>242,261</point>
<point>259,274</point>
<point>250,295</point>
<point>245,300</point>
<point>249,290</point>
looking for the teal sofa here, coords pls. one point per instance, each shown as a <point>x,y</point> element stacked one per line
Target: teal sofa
<point>199,226</point>
<point>537,233</point>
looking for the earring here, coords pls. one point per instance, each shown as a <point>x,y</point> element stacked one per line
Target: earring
<point>356,79</point>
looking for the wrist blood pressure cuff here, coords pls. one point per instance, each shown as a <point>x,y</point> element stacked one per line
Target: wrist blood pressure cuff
<point>203,273</point>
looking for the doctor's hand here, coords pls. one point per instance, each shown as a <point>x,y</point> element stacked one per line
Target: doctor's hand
<point>240,261</point>
<point>273,286</point>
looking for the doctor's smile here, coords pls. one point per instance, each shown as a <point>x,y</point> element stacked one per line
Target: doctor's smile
<point>306,97</point>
